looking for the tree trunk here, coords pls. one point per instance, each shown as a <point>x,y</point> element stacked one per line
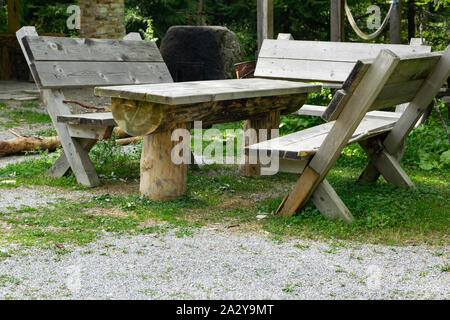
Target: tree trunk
<point>411,20</point>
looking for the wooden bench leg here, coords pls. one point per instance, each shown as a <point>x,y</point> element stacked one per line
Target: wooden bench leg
<point>272,121</point>
<point>161,178</point>
<point>384,163</point>
<point>77,157</point>
<point>62,166</point>
<point>329,204</point>
<point>355,108</point>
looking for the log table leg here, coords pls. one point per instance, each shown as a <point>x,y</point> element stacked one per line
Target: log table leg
<point>161,178</point>
<point>271,121</point>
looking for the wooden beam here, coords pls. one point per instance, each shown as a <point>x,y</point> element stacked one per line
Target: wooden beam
<point>419,104</point>
<point>329,204</point>
<point>265,21</point>
<point>337,22</point>
<point>396,23</point>
<point>14,9</point>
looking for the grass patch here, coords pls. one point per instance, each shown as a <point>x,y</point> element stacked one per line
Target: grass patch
<point>25,116</point>
<point>30,105</point>
<point>46,133</point>
<point>219,195</point>
<point>383,214</point>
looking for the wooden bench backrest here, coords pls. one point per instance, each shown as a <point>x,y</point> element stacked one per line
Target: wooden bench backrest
<point>73,62</point>
<point>320,61</point>
<point>402,85</point>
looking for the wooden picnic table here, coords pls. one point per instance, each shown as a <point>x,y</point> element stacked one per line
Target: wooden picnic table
<point>156,110</point>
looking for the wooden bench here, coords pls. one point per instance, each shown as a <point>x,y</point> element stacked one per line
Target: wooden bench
<point>320,61</point>
<point>59,63</point>
<point>372,85</point>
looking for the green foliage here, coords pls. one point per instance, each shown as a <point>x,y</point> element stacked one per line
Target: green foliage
<point>292,123</point>
<point>112,163</point>
<point>163,13</point>
<point>48,16</point>
<point>134,22</point>
<point>3,18</point>
<point>428,146</point>
<point>26,116</point>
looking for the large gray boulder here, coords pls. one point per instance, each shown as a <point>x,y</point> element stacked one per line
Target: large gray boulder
<point>201,53</point>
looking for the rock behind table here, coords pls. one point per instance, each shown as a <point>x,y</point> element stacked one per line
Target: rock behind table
<point>201,53</point>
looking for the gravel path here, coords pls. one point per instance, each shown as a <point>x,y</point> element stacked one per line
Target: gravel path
<point>210,263</point>
<point>218,265</point>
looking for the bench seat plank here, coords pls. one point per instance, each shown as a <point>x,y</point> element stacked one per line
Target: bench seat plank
<point>101,119</point>
<point>305,143</point>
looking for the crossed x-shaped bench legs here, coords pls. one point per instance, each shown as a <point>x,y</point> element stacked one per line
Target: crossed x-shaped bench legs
<point>383,163</point>
<point>76,150</point>
<point>312,183</point>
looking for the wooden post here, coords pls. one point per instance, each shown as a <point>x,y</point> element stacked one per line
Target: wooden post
<point>161,179</point>
<point>337,22</point>
<point>265,21</point>
<point>396,23</point>
<point>200,14</point>
<point>271,121</point>
<point>14,8</point>
<point>411,20</point>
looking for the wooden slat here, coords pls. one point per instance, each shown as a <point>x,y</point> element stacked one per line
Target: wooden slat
<point>103,119</point>
<point>78,49</point>
<point>311,110</point>
<point>88,74</point>
<point>415,67</point>
<point>397,93</point>
<point>333,51</point>
<point>207,91</point>
<point>305,143</point>
<point>306,70</point>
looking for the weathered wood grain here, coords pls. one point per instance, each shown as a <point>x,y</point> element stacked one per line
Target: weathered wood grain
<point>305,143</point>
<point>419,104</point>
<point>100,119</point>
<point>333,51</point>
<point>84,49</point>
<point>161,178</point>
<point>206,91</point>
<point>76,155</point>
<point>141,118</point>
<point>57,74</point>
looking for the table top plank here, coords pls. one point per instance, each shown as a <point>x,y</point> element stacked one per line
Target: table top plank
<point>206,91</point>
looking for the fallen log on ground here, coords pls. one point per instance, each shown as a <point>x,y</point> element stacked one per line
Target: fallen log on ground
<point>21,143</point>
<point>24,143</point>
